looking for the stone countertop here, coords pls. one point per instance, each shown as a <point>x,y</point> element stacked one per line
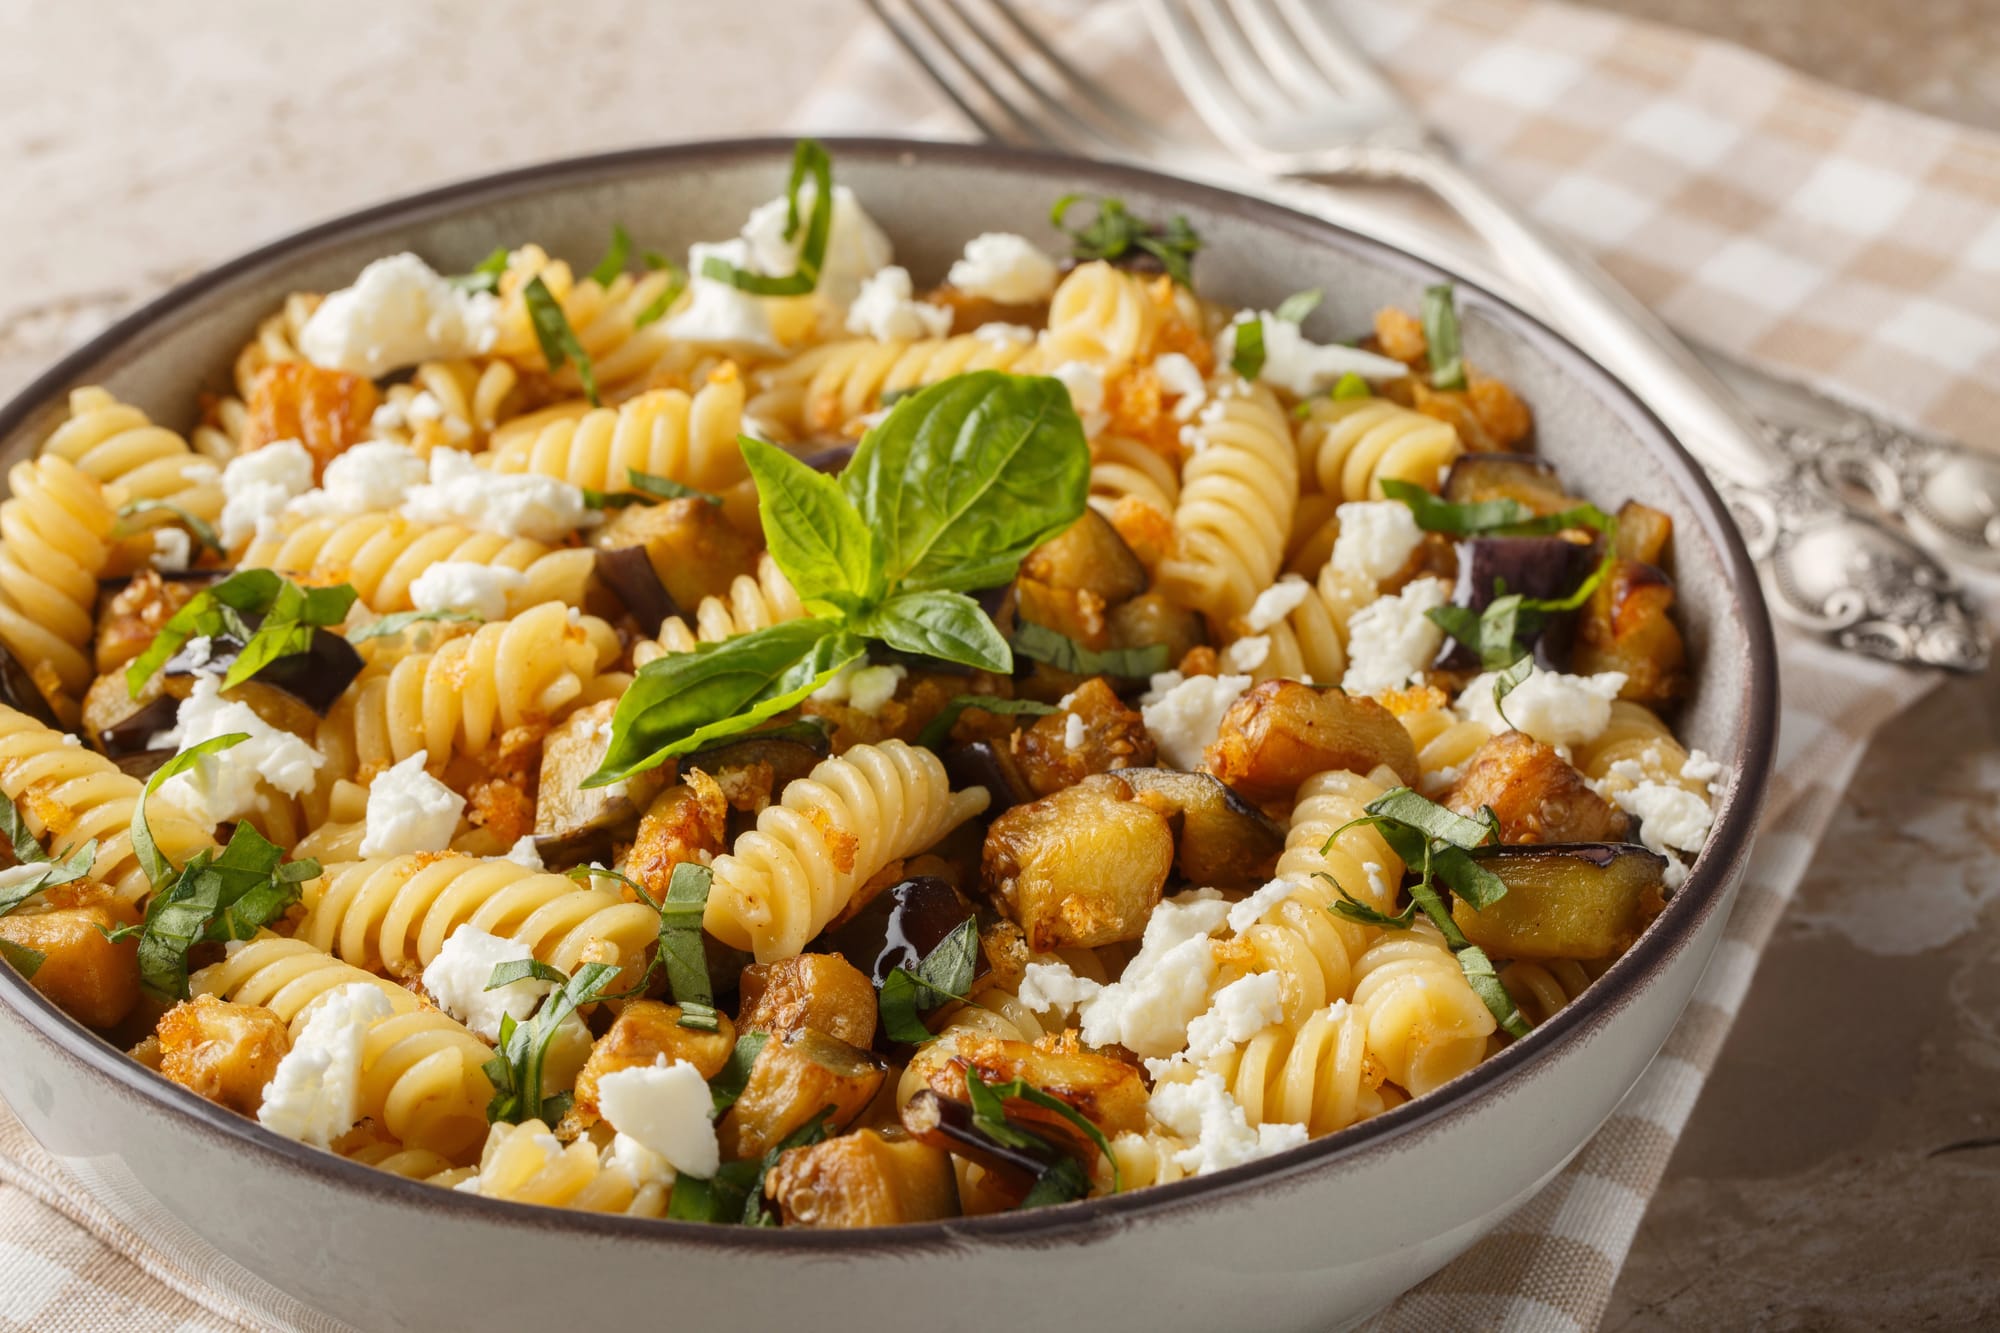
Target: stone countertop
<point>1842,1167</point>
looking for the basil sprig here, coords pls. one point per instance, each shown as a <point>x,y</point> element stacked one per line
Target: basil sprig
<point>215,897</point>
<point>943,975</point>
<point>809,158</point>
<point>1437,845</point>
<point>288,616</point>
<point>1064,1179</point>
<point>945,496</point>
<point>1039,643</point>
<point>1441,335</point>
<point>515,1071</point>
<point>1247,356</point>
<point>1114,231</point>
<point>938,729</point>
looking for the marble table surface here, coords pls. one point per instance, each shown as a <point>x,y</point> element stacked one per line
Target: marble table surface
<point>1842,1168</point>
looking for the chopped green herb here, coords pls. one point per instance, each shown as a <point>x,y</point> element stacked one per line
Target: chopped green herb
<point>24,960</point>
<point>1113,232</point>
<point>1441,335</point>
<point>289,615</point>
<point>1042,644</point>
<point>398,621</point>
<point>734,1076</point>
<point>646,489</point>
<point>938,729</point>
<point>677,280</point>
<point>516,1067</point>
<point>1505,682</point>
<point>809,158</point>
<point>989,1116</point>
<point>613,263</point>
<point>944,974</point>
<point>197,527</point>
<point>684,956</point>
<point>1247,359</point>
<point>49,872</point>
<point>586,874</point>
<point>485,275</point>
<point>1294,308</point>
<point>1350,387</point>
<point>559,341</point>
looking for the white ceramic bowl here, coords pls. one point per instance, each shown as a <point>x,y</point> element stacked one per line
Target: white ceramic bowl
<point>1313,1238</point>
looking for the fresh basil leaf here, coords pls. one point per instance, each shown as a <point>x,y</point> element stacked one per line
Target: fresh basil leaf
<point>1248,358</point>
<point>47,875</point>
<point>251,589</point>
<point>938,729</point>
<point>962,479</point>
<point>1063,1182</point>
<point>657,308</point>
<point>398,621</point>
<point>213,898</point>
<point>808,158</point>
<point>1504,683</point>
<point>666,488</point>
<point>1485,982</point>
<point>197,527</point>
<point>813,529</point>
<point>516,1069</point>
<point>24,960</point>
<point>1459,519</point>
<point>1429,818</point>
<point>1042,644</point>
<point>734,1076</point>
<point>151,859</point>
<point>613,263</point>
<point>1294,308</point>
<point>994,1095</point>
<point>485,275</point>
<point>286,617</point>
<point>1113,232</point>
<point>558,340</point>
<point>525,969</point>
<point>14,825</point>
<point>1354,909</point>
<point>683,701</point>
<point>946,625</point>
<point>680,948</point>
<point>1441,334</point>
<point>944,974</point>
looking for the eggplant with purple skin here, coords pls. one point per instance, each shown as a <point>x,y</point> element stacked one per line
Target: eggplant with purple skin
<point>899,927</point>
<point>831,460</point>
<point>1567,900</point>
<point>1495,476</point>
<point>315,677</point>
<point>1540,568</point>
<point>573,823</point>
<point>988,764</point>
<point>628,572</point>
<point>1225,842</point>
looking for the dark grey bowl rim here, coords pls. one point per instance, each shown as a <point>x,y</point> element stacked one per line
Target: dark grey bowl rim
<point>1701,895</point>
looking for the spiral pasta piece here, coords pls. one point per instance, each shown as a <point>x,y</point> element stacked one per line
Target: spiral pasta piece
<point>381,555</point>
<point>1147,1159</point>
<point>1103,316</point>
<point>663,432</point>
<point>1308,644</point>
<point>1238,493</point>
<point>70,794</point>
<point>462,696</point>
<point>604,318</point>
<point>832,831</point>
<point>1445,741</point>
<point>528,1164</point>
<point>452,403</point>
<point>119,447</point>
<point>421,1071</point>
<point>753,602</point>
<point>827,389</point>
<point>1635,735</point>
<point>394,914</point>
<point>1425,1023</point>
<point>1318,1074</point>
<point>1541,989</point>
<point>1350,446</point>
<point>1121,467</point>
<point>276,340</point>
<point>55,538</point>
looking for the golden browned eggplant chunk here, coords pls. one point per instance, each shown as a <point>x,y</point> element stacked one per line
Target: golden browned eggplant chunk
<point>821,991</point>
<point>1084,866</point>
<point>796,1076</point>
<point>1282,732</point>
<point>868,1178</point>
<point>225,1052</point>
<point>1538,797</point>
<point>1586,900</point>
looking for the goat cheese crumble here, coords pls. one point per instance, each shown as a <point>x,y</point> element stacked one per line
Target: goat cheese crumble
<point>1391,641</point>
<point>398,312</point>
<point>1276,602</point>
<point>1182,378</point>
<point>855,246</point>
<point>456,979</point>
<point>512,504</point>
<point>524,852</point>
<point>223,785</point>
<point>314,1095</point>
<point>1236,1013</point>
<point>172,551</point>
<point>1184,714</point>
<point>864,688</point>
<point>1006,268</point>
<point>1671,819</point>
<point>466,585</point>
<point>1053,988</point>
<point>1165,986</point>
<point>258,485</point>
<point>666,1108</point>
<point>1085,383</point>
<point>371,477</point>
<point>1376,538</point>
<point>1247,654</point>
<point>1556,709</point>
<point>409,811</point>
<point>886,311</point>
<point>1299,366</point>
<point>1218,1133</point>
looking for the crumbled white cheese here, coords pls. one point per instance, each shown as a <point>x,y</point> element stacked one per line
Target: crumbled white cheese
<point>885,311</point>
<point>1671,819</point>
<point>371,477</point>
<point>1276,602</point>
<point>512,504</point>
<point>525,853</point>
<point>466,585</point>
<point>1000,334</point>
<point>222,785</point>
<point>398,312</point>
<point>1376,538</point>
<point>1184,717</point>
<point>1390,642</point>
<point>1003,267</point>
<point>172,550</point>
<point>258,485</point>
<point>1218,1134</point>
<point>1053,987</point>
<point>1085,383</point>
<point>456,979</point>
<point>718,314</point>
<point>636,1160</point>
<point>198,650</point>
<point>1247,654</point>
<point>1252,909</point>
<point>1181,378</point>
<point>855,246</point>
<point>862,687</point>
<point>1073,732</point>
<point>1553,708</point>
<point>314,1095</point>
<point>1301,367</point>
<point>1165,986</point>
<point>1236,1013</point>
<point>409,811</point>
<point>1701,767</point>
<point>666,1108</point>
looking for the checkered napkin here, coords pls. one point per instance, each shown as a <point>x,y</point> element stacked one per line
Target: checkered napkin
<point>1821,235</point>
<point>1824,237</point>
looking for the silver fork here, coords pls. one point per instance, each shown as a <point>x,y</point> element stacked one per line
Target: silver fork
<point>1294,100</point>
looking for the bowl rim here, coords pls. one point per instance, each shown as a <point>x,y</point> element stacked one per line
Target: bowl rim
<point>1705,890</point>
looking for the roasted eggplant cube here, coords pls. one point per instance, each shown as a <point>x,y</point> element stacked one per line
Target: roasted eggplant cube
<point>1089,556</point>
<point>1526,481</point>
<point>1225,842</point>
<point>1282,732</point>
<point>646,1033</point>
<point>695,551</point>
<point>1112,737</point>
<point>222,1051</point>
<point>992,765</point>
<point>1104,1090</point>
<point>1082,867</point>
<point>1536,794</point>
<point>575,823</point>
<point>868,1178</point>
<point>88,977</point>
<point>1628,626</point>
<point>687,822</point>
<point>821,991</point>
<point>1586,900</point>
<point>1152,618</point>
<point>796,1076</point>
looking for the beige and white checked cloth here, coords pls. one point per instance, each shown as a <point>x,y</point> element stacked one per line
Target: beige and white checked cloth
<point>1820,235</point>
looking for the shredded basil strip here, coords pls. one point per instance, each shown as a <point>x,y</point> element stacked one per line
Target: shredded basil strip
<point>1058,650</point>
<point>1294,308</point>
<point>938,730</point>
<point>944,974</point>
<point>1441,335</point>
<point>1247,359</point>
<point>1113,232</point>
<point>1505,682</point>
<point>734,1076</point>
<point>809,158</point>
<point>613,263</point>
<point>677,281</point>
<point>28,851</point>
<point>681,948</point>
<point>485,275</point>
<point>515,1070</point>
<point>559,341</point>
<point>989,1116</point>
<point>289,614</point>
<point>197,527</point>
<point>398,621</point>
